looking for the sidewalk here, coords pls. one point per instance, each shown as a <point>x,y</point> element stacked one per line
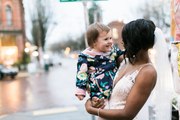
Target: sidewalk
<point>66,113</point>
<point>25,73</point>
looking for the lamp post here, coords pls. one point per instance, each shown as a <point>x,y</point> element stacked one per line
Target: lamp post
<point>86,18</point>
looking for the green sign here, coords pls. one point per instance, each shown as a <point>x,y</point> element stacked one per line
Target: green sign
<point>79,0</point>
<point>69,0</point>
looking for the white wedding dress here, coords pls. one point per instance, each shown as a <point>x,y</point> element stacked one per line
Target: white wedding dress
<point>158,105</point>
<point>149,111</point>
<point>120,93</point>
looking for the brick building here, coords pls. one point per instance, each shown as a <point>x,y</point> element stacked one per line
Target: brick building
<point>116,27</point>
<point>12,32</point>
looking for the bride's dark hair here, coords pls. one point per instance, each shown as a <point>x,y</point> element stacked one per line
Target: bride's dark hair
<point>138,35</point>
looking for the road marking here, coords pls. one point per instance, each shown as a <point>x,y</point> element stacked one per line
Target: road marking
<point>54,111</point>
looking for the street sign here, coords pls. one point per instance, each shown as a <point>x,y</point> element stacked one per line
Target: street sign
<point>79,0</point>
<point>69,0</point>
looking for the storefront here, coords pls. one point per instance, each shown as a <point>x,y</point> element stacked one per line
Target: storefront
<point>8,50</point>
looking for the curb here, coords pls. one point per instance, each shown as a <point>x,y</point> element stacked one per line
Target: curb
<point>22,74</point>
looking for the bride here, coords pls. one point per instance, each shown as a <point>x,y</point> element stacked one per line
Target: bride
<point>142,86</point>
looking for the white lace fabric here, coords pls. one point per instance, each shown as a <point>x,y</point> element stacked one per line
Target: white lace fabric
<point>121,91</point>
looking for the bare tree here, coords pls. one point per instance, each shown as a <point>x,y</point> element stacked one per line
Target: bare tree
<point>158,11</point>
<point>95,13</point>
<point>74,44</point>
<point>41,19</point>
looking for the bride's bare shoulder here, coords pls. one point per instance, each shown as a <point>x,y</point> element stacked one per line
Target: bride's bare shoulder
<point>147,76</point>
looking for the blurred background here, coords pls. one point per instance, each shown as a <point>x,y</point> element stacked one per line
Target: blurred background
<point>39,31</point>
<point>39,45</point>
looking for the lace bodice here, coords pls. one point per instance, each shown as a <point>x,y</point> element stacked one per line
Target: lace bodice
<point>120,93</point>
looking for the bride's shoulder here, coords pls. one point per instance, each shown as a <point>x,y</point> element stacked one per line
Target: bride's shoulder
<point>147,75</point>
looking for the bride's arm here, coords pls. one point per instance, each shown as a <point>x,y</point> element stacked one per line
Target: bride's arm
<point>145,82</point>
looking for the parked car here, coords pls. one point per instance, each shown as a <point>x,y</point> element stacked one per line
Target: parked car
<point>1,67</point>
<point>8,71</point>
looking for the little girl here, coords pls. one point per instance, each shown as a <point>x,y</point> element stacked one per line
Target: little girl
<point>97,64</point>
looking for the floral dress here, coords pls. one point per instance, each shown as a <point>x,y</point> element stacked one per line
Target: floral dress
<point>96,71</point>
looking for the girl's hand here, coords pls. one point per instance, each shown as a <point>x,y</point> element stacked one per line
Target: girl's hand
<point>89,107</point>
<point>80,97</point>
<point>97,103</point>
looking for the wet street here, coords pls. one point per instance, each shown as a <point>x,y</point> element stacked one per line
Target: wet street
<point>41,90</point>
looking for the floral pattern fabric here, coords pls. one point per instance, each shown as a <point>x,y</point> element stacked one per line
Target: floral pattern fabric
<point>96,71</point>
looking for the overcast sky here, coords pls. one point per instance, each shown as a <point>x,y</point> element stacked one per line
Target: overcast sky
<point>70,16</point>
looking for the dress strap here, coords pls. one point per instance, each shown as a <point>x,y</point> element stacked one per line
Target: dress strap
<point>144,65</point>
<point>136,72</point>
<point>133,73</point>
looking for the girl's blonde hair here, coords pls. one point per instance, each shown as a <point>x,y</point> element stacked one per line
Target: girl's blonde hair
<point>93,32</point>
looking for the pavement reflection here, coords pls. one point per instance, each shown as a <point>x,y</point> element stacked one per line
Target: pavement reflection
<point>40,90</point>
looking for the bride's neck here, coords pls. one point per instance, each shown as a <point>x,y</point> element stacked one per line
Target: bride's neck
<point>141,58</point>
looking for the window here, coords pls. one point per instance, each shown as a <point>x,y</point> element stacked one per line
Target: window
<point>115,33</point>
<point>8,15</point>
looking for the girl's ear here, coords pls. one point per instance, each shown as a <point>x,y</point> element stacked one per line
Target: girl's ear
<point>94,44</point>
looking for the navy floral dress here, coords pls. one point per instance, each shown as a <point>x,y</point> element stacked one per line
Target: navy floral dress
<point>96,71</point>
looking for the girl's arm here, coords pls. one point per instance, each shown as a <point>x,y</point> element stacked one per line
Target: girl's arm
<point>145,82</point>
<point>119,60</point>
<point>81,77</point>
<point>119,55</point>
